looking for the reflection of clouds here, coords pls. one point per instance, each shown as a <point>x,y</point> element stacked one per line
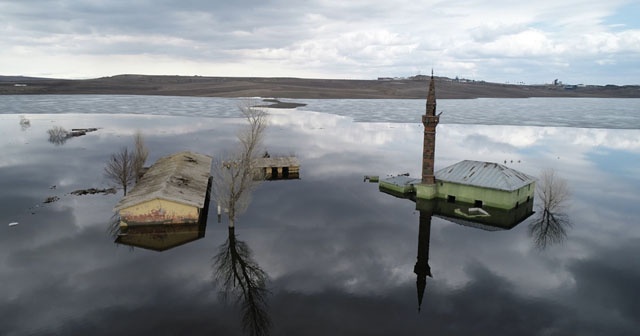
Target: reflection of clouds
<point>337,241</point>
<point>516,136</point>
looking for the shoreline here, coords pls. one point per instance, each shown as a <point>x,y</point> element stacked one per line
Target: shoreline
<point>299,88</point>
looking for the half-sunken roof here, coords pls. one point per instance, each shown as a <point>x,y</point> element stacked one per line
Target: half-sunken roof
<point>281,161</point>
<point>484,174</point>
<point>180,177</point>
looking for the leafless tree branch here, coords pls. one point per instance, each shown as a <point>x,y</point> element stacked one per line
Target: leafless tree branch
<point>58,135</point>
<point>242,280</point>
<point>550,226</point>
<point>235,176</point>
<point>120,168</point>
<point>140,154</point>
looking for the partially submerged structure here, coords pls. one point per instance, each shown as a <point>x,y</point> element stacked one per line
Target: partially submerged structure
<point>477,183</point>
<point>174,191</point>
<point>481,184</point>
<point>482,195</point>
<point>278,168</point>
<point>484,183</point>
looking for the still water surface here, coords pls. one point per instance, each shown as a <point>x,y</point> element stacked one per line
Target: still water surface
<point>339,254</point>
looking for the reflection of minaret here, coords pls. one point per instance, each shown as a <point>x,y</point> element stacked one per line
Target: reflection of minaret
<point>422,268</point>
<point>430,121</point>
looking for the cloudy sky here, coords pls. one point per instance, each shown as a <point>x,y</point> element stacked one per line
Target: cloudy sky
<point>576,41</point>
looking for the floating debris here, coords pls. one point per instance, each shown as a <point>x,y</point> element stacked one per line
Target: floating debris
<point>371,178</point>
<point>13,223</point>
<point>93,191</point>
<point>51,199</point>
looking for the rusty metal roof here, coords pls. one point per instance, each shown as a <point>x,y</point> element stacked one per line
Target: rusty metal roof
<point>181,177</point>
<point>484,174</point>
<point>282,161</point>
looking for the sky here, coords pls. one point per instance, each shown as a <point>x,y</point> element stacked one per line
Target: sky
<point>533,42</point>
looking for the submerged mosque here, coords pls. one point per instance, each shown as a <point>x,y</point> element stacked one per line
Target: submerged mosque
<point>482,195</point>
<point>479,184</point>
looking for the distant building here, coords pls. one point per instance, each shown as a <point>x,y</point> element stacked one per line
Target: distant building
<point>175,190</point>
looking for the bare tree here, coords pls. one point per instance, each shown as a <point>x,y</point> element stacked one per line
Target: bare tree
<point>24,123</point>
<point>236,176</point>
<point>120,168</point>
<point>140,154</point>
<point>243,281</point>
<point>552,191</point>
<point>58,135</point>
<point>550,226</point>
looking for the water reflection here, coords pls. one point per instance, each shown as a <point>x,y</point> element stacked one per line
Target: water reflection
<point>24,123</point>
<point>550,227</point>
<point>361,265</point>
<point>58,135</point>
<point>235,271</point>
<point>422,268</point>
<point>243,281</point>
<point>160,237</point>
<point>487,218</point>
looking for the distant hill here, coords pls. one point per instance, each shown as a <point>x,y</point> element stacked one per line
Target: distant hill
<point>300,87</point>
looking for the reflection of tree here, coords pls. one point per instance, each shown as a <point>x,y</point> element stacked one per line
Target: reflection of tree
<point>550,227</point>
<point>58,135</point>
<point>24,123</point>
<point>113,227</point>
<point>243,281</point>
<point>239,276</point>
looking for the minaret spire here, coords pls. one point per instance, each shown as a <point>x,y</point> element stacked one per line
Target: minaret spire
<point>430,120</point>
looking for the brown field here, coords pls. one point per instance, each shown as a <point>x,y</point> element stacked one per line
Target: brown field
<point>298,88</point>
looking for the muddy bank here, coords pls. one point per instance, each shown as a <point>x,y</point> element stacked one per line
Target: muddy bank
<point>275,103</point>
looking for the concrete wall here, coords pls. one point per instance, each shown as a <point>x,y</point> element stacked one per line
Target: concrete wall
<point>159,211</point>
<point>489,197</point>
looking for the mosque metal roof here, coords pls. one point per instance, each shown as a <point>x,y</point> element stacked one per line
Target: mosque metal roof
<point>484,174</point>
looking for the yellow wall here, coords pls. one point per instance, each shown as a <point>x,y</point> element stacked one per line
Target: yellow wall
<point>159,211</point>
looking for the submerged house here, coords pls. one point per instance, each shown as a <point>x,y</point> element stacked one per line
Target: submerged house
<point>476,183</point>
<point>278,168</point>
<point>174,191</point>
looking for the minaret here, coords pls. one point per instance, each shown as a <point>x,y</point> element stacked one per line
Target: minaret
<point>430,121</point>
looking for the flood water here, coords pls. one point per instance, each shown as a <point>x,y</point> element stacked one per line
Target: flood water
<point>339,255</point>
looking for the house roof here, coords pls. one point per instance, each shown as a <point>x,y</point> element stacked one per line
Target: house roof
<point>281,161</point>
<point>181,177</point>
<point>485,175</point>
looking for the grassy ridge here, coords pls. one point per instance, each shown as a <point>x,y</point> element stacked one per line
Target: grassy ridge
<point>298,88</point>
